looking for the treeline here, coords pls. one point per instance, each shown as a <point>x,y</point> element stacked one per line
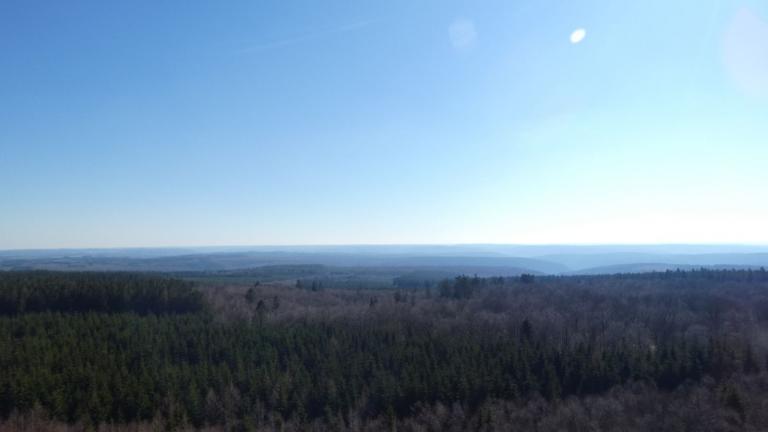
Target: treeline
<point>45,291</point>
<point>702,274</point>
<point>427,279</point>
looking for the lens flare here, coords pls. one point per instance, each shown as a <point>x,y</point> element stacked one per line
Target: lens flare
<point>578,35</point>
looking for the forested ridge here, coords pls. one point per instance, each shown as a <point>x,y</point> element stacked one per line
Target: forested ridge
<point>92,349</point>
<point>45,291</point>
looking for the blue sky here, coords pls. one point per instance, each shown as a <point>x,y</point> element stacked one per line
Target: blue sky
<point>301,122</point>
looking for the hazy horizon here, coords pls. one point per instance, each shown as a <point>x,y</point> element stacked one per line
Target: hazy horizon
<point>384,245</point>
<point>510,249</point>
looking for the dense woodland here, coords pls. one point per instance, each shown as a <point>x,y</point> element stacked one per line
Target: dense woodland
<point>30,292</point>
<point>114,351</point>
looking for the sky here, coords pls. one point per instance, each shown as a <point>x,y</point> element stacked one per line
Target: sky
<point>176,123</point>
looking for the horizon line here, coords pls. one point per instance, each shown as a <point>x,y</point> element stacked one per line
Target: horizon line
<point>329,245</point>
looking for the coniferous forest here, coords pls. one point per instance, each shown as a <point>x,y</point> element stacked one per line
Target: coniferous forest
<point>122,351</point>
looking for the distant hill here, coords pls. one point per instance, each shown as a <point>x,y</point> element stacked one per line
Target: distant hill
<point>470,259</point>
<point>579,262</point>
<point>655,267</point>
<point>247,260</point>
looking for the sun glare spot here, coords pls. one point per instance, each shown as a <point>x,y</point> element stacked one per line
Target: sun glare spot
<point>578,35</point>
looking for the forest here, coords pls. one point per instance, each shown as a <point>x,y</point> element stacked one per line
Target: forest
<point>675,350</point>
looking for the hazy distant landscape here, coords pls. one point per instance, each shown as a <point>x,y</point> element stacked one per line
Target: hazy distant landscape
<point>485,260</point>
